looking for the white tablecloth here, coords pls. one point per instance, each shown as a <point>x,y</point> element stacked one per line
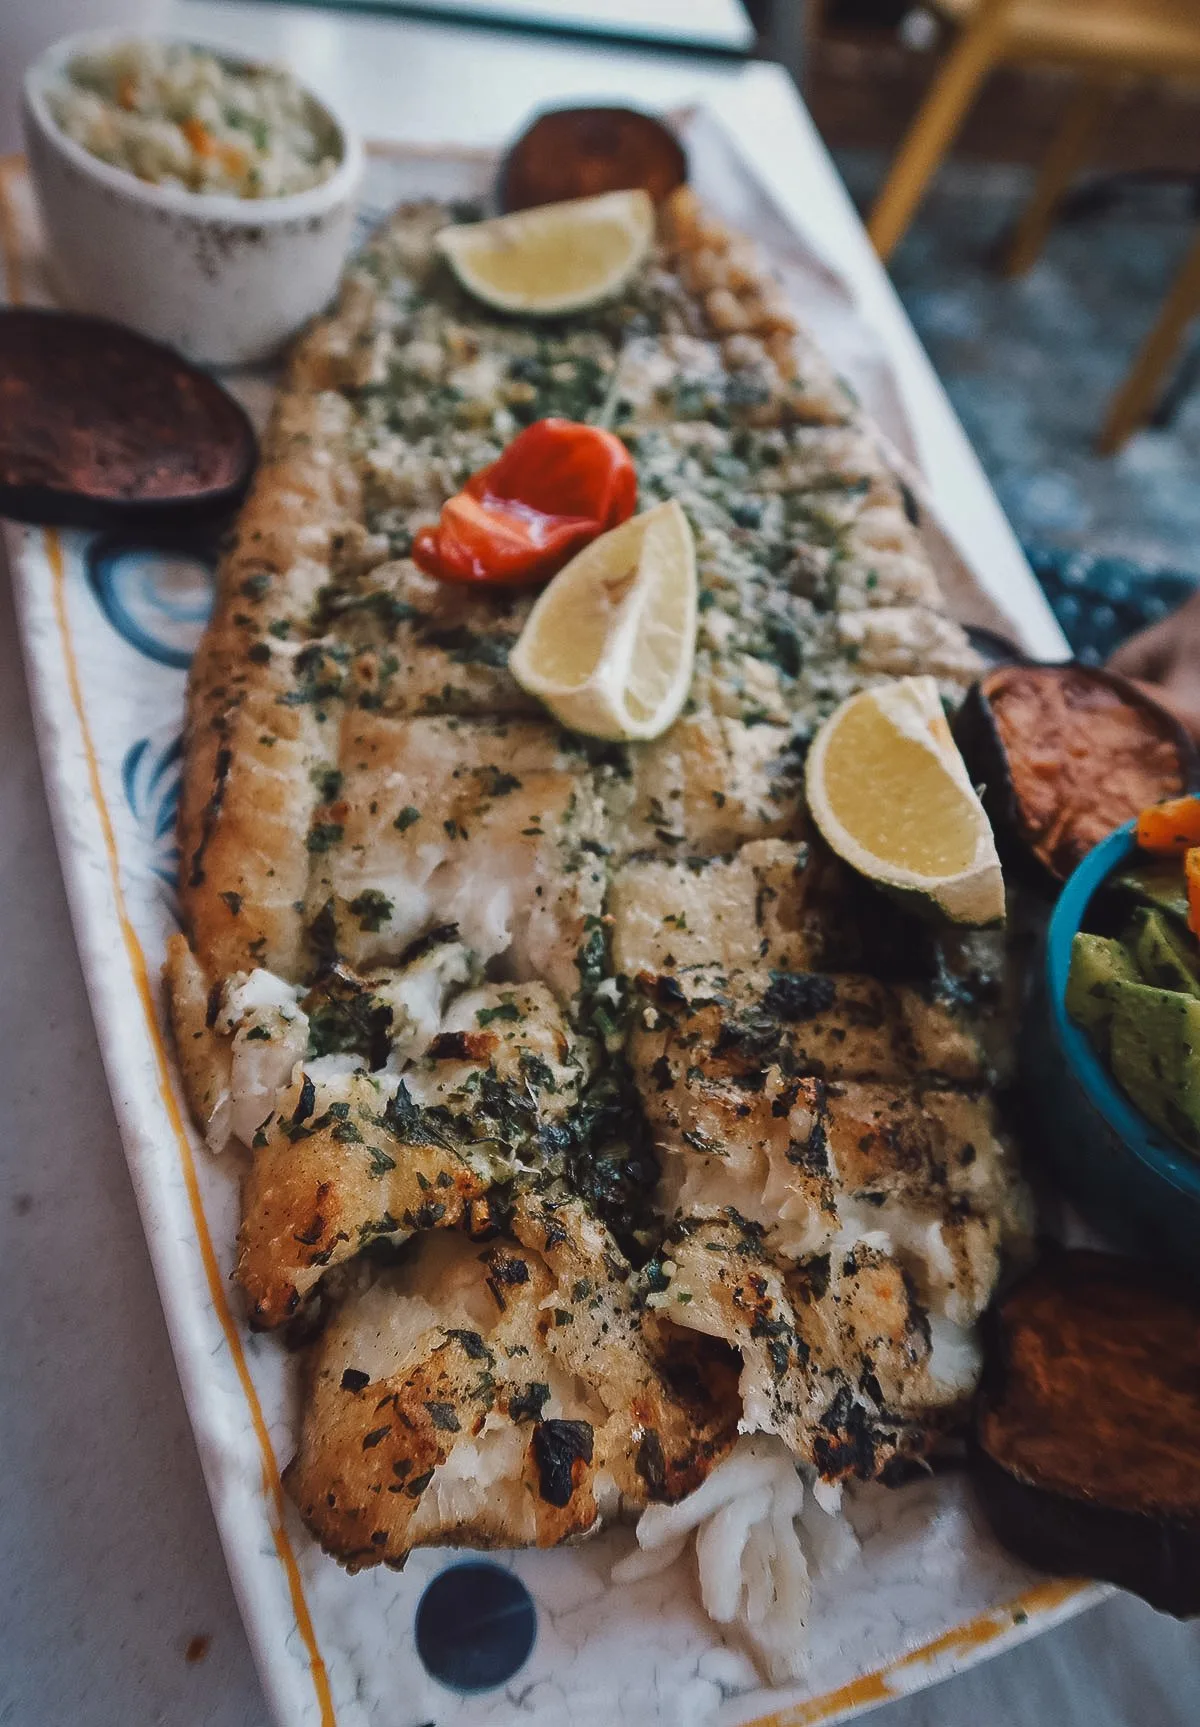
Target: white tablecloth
<point>110,1573</point>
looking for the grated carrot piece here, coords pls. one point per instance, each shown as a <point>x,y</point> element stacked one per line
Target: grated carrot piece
<point>198,136</point>
<point>232,158</point>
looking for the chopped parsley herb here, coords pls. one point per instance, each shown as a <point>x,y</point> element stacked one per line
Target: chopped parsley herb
<point>408,815</point>
<point>466,648</point>
<point>527,1405</point>
<point>306,1102</point>
<point>413,1125</point>
<point>799,995</point>
<point>379,1161</point>
<point>372,909</point>
<point>345,1019</point>
<point>324,835</point>
<point>473,1345</point>
<point>592,957</point>
<point>746,512</point>
<point>537,1071</point>
<point>497,784</point>
<point>784,645</point>
<point>318,675</point>
<point>322,933</point>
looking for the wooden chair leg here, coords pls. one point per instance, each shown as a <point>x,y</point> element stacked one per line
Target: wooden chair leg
<point>1085,113</point>
<point>936,126</point>
<point>1132,404</point>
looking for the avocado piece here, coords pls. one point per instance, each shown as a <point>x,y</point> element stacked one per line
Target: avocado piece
<point>1155,1052</point>
<point>1158,883</point>
<point>1163,954</point>
<point>1097,963</point>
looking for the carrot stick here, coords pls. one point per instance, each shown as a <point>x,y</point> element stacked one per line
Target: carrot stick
<point>1170,829</point>
<point>198,136</point>
<point>232,158</point>
<point>1191,865</point>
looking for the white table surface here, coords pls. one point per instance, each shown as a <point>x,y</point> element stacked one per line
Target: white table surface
<point>109,1563</point>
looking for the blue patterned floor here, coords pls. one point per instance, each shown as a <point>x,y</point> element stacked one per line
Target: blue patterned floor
<point>1030,365</point>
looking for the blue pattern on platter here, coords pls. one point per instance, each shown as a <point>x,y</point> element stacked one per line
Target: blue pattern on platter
<point>157,598</point>
<point>475,1627</point>
<point>151,773</point>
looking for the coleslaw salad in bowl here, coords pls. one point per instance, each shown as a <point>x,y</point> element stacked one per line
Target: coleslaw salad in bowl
<point>223,276</point>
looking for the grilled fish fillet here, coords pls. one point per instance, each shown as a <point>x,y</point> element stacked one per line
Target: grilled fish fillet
<point>501,1394</point>
<point>599,1109</point>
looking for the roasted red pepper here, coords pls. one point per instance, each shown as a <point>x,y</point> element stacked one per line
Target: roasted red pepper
<point>556,487</point>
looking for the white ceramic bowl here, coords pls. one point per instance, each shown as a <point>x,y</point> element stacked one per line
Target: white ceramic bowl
<point>225,280</point>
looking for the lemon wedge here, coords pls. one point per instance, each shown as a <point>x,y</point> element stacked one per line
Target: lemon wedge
<point>609,645</point>
<point>892,796</point>
<point>554,258</point>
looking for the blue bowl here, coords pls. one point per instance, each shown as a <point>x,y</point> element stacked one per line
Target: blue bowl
<point>1124,1175</point>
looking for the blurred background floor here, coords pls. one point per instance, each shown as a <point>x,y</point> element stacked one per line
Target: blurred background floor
<point>1030,363</point>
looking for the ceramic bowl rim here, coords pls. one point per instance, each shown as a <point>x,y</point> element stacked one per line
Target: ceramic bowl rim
<point>221,209</point>
<point>1170,1163</point>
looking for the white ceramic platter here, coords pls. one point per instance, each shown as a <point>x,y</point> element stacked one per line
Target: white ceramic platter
<point>108,628</point>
